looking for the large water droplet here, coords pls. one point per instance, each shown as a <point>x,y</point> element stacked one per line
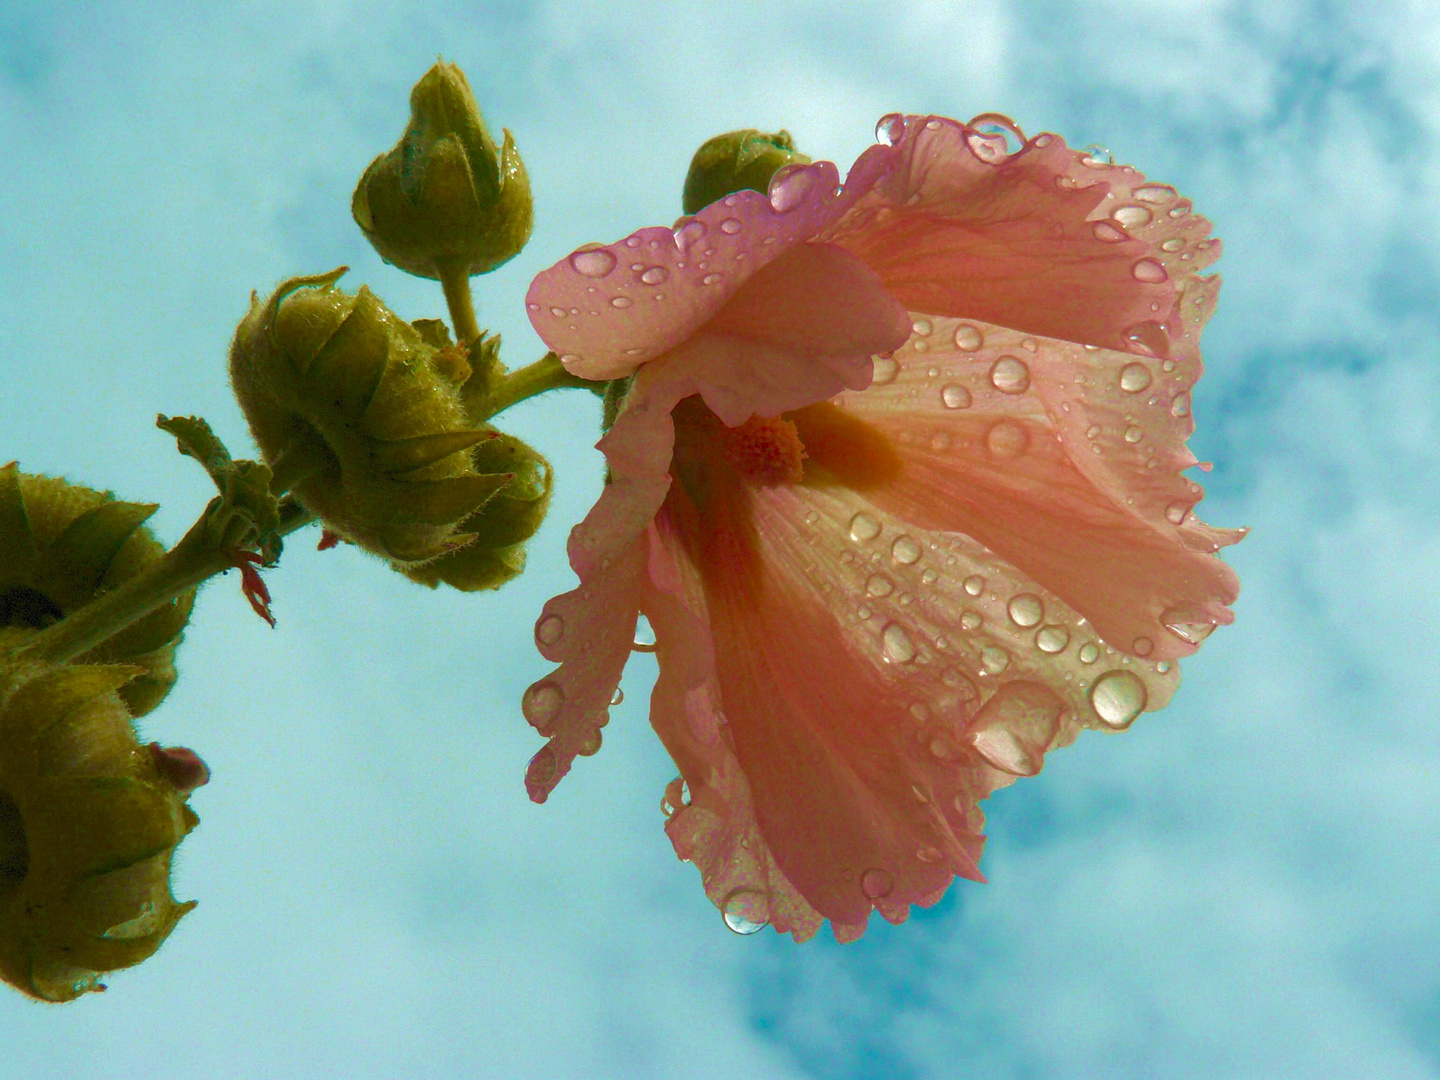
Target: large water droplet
<point>1132,217</point>
<point>974,584</point>
<point>1119,697</point>
<point>644,636</point>
<point>1010,375</point>
<point>896,644</point>
<point>591,746</point>
<point>1015,728</point>
<point>993,660</point>
<point>968,338</point>
<point>620,301</point>
<point>549,629</point>
<point>876,883</point>
<point>690,233</point>
<point>730,226</point>
<point>1089,652</point>
<point>970,620</point>
<point>1187,623</point>
<point>1052,639</point>
<point>541,704</point>
<point>879,585</point>
<point>541,769</point>
<point>1007,439</point>
<point>863,527</point>
<point>655,275</point>
<point>1154,193</point>
<point>1107,233</point>
<point>746,911</point>
<point>885,368</point>
<point>955,396</point>
<point>1177,512</point>
<point>1180,405</point>
<point>1135,377</point>
<point>1025,609</point>
<point>1150,271</point>
<point>593,262</point>
<point>890,130</point>
<point>789,187</point>
<point>905,550</point>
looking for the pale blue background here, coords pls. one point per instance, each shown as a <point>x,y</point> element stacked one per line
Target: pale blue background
<point>1242,886</point>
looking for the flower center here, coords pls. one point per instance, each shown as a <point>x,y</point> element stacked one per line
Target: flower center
<point>14,851</point>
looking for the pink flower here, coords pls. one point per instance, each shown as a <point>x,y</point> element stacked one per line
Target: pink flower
<point>898,486</point>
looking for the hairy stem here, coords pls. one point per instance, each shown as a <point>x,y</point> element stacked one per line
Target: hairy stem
<point>455,280</point>
<point>198,556</point>
<point>547,373</point>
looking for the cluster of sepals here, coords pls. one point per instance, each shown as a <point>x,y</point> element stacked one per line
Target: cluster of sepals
<point>894,473</point>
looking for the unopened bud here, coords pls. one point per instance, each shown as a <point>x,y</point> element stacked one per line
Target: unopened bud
<point>362,419</point>
<point>736,161</point>
<point>445,196</point>
<point>61,546</point>
<point>88,827</point>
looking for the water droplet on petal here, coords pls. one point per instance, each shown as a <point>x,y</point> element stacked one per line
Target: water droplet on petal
<point>1119,697</point>
<point>747,911</point>
<point>955,396</point>
<point>541,704</point>
<point>1132,217</point>
<point>620,301</point>
<point>593,262</point>
<point>1007,439</point>
<point>1134,378</point>
<point>890,130</point>
<point>896,644</point>
<point>1025,609</point>
<point>968,338</point>
<point>558,312</point>
<point>689,233</point>
<point>1177,512</point>
<point>921,793</point>
<point>711,279</point>
<point>655,275</point>
<point>789,187</point>
<point>974,584</point>
<point>617,697</point>
<point>1154,193</point>
<point>1188,624</point>
<point>879,585</point>
<point>863,527</point>
<point>970,620</point>
<point>541,769</point>
<point>1089,652</point>
<point>885,369</point>
<point>644,636</point>
<point>876,883</point>
<point>929,577</point>
<point>929,855</point>
<point>549,629</point>
<point>1175,243</point>
<point>730,226</point>
<point>994,660</point>
<point>1107,233</point>
<point>1180,406</point>
<point>922,327</point>
<point>1150,271</point>
<point>1052,639</point>
<point>1010,375</point>
<point>591,746</point>
<point>905,550</point>
<point>1133,434</point>
<point>1142,646</point>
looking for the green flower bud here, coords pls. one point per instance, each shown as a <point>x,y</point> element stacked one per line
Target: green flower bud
<point>89,820</point>
<point>501,527</point>
<point>736,161</point>
<point>361,418</point>
<point>61,546</point>
<point>445,196</point>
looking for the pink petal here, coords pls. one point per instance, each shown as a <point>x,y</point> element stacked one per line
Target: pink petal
<point>959,228</point>
<point>1042,451</point>
<point>589,632</point>
<point>606,310</point>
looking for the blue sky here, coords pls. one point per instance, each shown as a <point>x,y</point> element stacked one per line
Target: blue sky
<point>1240,886</point>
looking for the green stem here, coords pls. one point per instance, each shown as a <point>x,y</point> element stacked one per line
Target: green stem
<point>197,557</point>
<point>455,280</point>
<point>547,373</point>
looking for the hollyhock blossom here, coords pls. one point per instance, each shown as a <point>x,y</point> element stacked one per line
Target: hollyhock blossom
<point>898,485</point>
